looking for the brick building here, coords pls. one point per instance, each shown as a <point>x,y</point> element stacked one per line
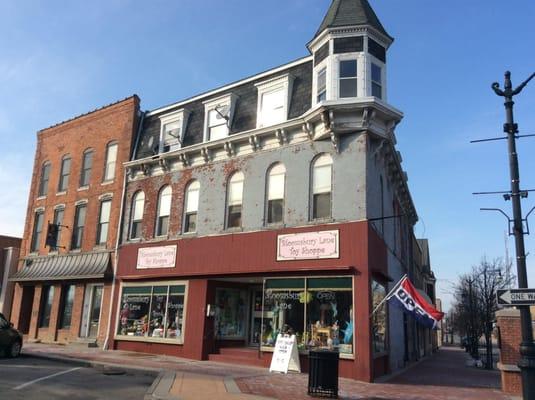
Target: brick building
<point>9,254</point>
<point>63,282</point>
<point>276,204</point>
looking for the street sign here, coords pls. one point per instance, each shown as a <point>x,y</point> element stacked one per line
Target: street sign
<point>516,297</point>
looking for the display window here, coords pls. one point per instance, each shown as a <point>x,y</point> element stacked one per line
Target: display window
<point>379,318</point>
<point>152,312</point>
<point>319,311</point>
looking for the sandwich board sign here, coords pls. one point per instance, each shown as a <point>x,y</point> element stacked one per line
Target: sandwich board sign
<point>285,357</point>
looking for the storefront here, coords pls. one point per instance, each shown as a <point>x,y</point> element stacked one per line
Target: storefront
<point>170,300</point>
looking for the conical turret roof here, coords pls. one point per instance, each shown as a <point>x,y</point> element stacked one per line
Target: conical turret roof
<point>351,12</point>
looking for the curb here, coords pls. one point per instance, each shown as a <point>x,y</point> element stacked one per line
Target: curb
<point>93,364</point>
<point>160,388</point>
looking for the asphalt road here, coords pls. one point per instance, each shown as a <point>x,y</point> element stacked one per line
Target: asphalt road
<point>33,378</point>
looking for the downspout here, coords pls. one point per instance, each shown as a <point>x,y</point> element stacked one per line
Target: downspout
<point>118,238</point>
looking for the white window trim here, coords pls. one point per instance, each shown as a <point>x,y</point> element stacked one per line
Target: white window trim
<point>362,84</point>
<point>284,82</point>
<point>176,116</point>
<point>222,101</point>
<point>148,338</point>
<point>372,60</point>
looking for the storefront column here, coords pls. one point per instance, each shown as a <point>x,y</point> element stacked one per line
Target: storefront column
<point>364,361</point>
<point>36,307</point>
<point>16,305</point>
<point>197,336</point>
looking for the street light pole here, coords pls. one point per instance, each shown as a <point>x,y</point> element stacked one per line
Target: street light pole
<point>527,347</point>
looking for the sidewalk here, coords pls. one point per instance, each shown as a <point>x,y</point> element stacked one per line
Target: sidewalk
<point>441,377</point>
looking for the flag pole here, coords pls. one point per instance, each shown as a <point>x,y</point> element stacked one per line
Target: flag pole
<point>388,296</point>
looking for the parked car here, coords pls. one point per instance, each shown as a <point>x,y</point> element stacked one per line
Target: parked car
<point>10,338</point>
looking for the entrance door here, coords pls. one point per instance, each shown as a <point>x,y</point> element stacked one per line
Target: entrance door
<point>255,330</point>
<point>26,309</point>
<point>91,313</point>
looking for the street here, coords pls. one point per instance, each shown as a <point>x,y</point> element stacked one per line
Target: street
<point>33,378</point>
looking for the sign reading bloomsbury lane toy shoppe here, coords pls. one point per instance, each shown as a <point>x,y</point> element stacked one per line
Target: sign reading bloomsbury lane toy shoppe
<point>308,246</point>
<point>156,257</point>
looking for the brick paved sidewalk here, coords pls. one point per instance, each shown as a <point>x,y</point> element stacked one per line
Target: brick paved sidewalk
<point>444,376</point>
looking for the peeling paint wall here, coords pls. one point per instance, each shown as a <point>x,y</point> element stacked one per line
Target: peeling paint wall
<point>348,197</point>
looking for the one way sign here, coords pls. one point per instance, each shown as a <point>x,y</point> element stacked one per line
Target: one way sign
<point>516,297</point>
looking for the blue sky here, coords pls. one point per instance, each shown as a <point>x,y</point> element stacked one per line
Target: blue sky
<point>60,59</point>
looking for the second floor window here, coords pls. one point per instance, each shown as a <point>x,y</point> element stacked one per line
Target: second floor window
<point>235,200</point>
<point>164,210</point>
<point>103,222</point>
<point>45,177</point>
<point>64,174</point>
<point>111,162</point>
<point>138,204</point>
<point>37,231</point>
<point>275,197</point>
<point>87,165</point>
<point>58,220</point>
<point>191,207</point>
<point>348,78</point>
<point>321,187</point>
<point>78,228</point>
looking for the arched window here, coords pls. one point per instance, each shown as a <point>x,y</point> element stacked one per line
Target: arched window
<point>45,177</point>
<point>191,206</point>
<point>235,200</point>
<point>87,165</point>
<point>322,187</point>
<point>275,194</point>
<point>111,161</point>
<point>63,183</point>
<point>138,204</point>
<point>164,210</point>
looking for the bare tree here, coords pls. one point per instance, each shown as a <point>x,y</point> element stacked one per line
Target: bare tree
<point>476,304</point>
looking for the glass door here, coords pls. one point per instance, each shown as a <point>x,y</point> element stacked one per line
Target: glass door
<point>91,311</point>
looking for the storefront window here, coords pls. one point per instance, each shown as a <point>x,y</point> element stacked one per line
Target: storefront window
<point>152,312</point>
<point>157,311</point>
<point>326,303</point>
<point>175,313</point>
<point>379,318</point>
<point>230,313</point>
<point>330,314</point>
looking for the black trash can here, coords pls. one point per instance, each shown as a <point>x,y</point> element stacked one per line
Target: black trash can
<point>323,373</point>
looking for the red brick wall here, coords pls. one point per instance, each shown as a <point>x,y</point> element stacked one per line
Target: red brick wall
<point>114,123</point>
<point>510,338</point>
<point>95,130</point>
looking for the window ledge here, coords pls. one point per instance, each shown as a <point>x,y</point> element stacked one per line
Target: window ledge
<point>275,225</point>
<point>61,193</point>
<point>105,183</point>
<point>134,240</point>
<point>149,339</point>
<point>233,230</point>
<point>82,188</point>
<point>189,234</point>
<point>41,197</point>
<point>75,251</point>
<point>100,247</point>
<point>316,221</point>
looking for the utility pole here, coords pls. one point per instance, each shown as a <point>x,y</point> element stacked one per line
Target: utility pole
<point>527,347</point>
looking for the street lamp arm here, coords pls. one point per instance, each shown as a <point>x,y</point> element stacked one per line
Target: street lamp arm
<point>496,87</point>
<point>523,84</point>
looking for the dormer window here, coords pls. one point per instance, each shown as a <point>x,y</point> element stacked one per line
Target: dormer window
<point>322,85</point>
<point>348,78</point>
<point>218,114</point>
<point>274,100</point>
<point>172,130</point>
<point>377,86</point>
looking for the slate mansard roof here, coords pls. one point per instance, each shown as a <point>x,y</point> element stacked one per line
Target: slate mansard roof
<point>351,12</point>
<point>246,107</point>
